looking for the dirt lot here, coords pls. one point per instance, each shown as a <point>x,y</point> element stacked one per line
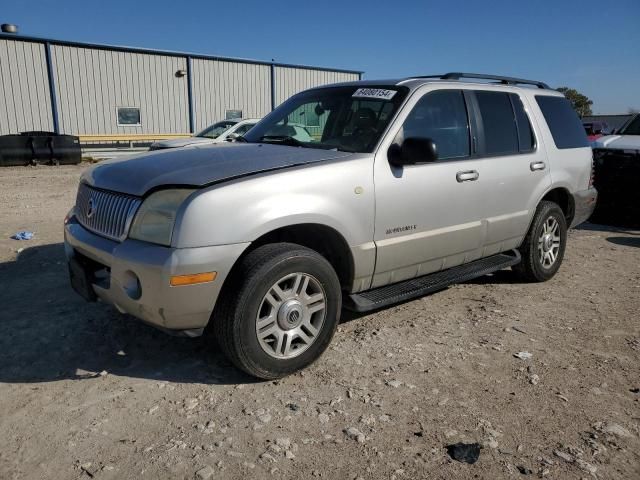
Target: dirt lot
<point>86,392</point>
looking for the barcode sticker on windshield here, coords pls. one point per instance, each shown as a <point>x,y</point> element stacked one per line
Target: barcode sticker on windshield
<point>380,93</point>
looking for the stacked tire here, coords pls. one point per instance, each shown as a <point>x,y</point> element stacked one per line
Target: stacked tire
<point>32,148</point>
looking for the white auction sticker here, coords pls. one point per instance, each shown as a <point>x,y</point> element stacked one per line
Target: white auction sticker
<point>380,93</point>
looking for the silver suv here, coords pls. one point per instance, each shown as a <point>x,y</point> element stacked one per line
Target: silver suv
<point>401,188</point>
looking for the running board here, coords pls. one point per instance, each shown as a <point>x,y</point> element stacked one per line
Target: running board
<point>417,287</point>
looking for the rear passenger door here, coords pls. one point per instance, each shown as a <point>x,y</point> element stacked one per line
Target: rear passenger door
<point>513,166</point>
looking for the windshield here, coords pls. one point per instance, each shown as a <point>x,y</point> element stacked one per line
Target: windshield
<point>215,130</point>
<point>632,128</point>
<point>351,119</point>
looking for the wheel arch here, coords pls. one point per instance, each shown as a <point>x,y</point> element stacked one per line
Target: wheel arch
<point>325,240</point>
<point>562,197</point>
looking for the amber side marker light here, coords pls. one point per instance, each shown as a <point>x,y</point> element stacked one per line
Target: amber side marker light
<point>180,280</point>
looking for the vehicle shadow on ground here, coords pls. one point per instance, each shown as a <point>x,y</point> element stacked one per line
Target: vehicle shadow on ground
<point>49,333</point>
<point>625,241</point>
<point>596,227</point>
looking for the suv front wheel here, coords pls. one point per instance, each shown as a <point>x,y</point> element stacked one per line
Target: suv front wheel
<point>279,311</point>
<point>543,248</point>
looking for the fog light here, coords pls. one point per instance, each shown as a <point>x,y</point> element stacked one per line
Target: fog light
<point>180,280</point>
<point>131,285</point>
<point>69,215</point>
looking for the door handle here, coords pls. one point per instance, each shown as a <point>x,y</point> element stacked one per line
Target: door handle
<point>537,166</point>
<point>467,176</point>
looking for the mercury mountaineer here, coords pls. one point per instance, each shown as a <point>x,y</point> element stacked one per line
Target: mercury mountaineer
<point>401,188</point>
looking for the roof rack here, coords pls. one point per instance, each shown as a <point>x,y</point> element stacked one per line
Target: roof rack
<point>482,76</point>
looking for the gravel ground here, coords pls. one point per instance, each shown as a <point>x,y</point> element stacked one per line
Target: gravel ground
<point>86,392</point>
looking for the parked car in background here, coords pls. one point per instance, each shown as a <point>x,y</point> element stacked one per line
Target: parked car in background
<point>626,138</point>
<point>617,170</point>
<point>407,186</point>
<point>595,130</point>
<point>224,131</point>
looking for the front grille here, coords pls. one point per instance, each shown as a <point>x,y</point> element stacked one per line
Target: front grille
<point>105,213</point>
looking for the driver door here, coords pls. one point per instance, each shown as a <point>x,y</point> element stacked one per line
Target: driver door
<point>428,215</point>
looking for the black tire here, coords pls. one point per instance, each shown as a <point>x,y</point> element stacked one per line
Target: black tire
<point>234,321</point>
<point>531,268</point>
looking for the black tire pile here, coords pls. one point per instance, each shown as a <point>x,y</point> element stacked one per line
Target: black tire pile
<point>31,148</point>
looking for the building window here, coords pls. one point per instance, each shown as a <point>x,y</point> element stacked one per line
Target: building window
<point>129,117</point>
<point>233,114</point>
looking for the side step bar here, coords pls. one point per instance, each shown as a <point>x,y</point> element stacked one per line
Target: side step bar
<point>417,287</point>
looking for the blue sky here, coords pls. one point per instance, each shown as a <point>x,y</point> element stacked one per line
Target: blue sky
<point>589,45</point>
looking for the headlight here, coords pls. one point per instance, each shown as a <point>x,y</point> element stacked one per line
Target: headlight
<point>156,216</point>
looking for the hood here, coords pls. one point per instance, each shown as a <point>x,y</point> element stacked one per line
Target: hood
<point>620,142</point>
<point>182,142</point>
<point>199,166</point>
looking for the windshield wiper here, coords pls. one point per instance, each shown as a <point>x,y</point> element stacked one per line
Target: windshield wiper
<point>282,139</point>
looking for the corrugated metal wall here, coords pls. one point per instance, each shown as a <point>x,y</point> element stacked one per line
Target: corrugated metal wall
<point>91,84</point>
<point>219,86</point>
<point>92,81</point>
<point>25,101</point>
<point>291,80</point>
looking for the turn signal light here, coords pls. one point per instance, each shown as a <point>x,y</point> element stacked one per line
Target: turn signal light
<point>180,280</point>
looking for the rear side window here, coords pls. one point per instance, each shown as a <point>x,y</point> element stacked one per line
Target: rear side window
<point>565,126</point>
<point>442,117</point>
<point>526,139</point>
<point>242,129</point>
<point>498,121</point>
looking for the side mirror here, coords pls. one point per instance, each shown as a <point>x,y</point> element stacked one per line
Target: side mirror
<point>412,151</point>
<point>232,137</point>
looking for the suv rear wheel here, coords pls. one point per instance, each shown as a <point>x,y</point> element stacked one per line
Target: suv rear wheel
<point>543,248</point>
<point>279,311</point>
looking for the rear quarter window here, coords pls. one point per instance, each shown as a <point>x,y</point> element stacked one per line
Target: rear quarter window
<point>566,129</point>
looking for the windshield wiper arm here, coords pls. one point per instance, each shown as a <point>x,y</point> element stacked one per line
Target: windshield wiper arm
<point>284,139</point>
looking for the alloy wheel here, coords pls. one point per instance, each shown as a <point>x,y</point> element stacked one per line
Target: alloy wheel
<point>291,315</point>
<point>549,243</point>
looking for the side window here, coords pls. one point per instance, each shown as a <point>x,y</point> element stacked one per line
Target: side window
<point>526,139</point>
<point>565,126</point>
<point>632,128</point>
<point>241,130</point>
<point>499,124</point>
<point>442,117</point>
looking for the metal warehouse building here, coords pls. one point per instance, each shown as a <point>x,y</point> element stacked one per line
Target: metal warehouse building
<point>102,91</point>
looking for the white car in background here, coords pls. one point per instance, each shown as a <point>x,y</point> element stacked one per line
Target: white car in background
<point>224,131</point>
<point>626,137</point>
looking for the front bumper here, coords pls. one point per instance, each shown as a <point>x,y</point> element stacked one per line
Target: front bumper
<point>584,202</point>
<point>135,277</point>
